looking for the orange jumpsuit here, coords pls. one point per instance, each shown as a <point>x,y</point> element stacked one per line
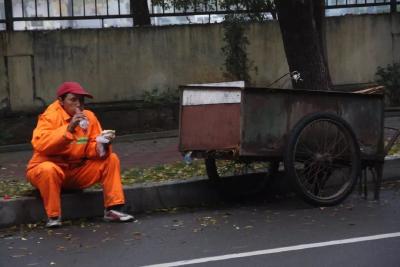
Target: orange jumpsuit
<point>70,160</point>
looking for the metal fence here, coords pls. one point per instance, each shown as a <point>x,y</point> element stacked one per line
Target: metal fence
<point>64,12</point>
<point>329,4</point>
<point>205,7</point>
<point>44,14</point>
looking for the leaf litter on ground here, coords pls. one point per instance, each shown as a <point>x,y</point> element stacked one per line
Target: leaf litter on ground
<point>10,189</point>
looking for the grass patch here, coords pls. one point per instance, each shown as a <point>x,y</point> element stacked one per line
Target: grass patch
<point>11,189</point>
<point>166,172</point>
<point>395,149</point>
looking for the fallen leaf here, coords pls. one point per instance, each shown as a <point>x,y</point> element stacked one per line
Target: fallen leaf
<point>61,248</point>
<point>107,239</point>
<point>18,256</point>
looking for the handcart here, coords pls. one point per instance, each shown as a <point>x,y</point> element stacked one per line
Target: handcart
<point>323,138</point>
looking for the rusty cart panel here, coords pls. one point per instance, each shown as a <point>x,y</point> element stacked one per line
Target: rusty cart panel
<point>210,118</point>
<point>210,127</point>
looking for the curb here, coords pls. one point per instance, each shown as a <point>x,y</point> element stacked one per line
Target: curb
<point>118,139</point>
<point>140,198</point>
<point>393,172</point>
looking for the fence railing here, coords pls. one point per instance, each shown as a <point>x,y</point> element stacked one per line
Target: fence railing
<point>32,14</point>
<point>205,7</point>
<point>64,10</point>
<point>330,4</point>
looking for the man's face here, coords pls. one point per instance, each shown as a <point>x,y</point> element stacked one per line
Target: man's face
<point>71,102</point>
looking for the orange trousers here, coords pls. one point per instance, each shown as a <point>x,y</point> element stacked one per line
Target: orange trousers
<point>50,178</point>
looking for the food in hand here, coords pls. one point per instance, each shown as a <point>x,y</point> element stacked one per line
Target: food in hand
<point>109,134</point>
<point>84,124</point>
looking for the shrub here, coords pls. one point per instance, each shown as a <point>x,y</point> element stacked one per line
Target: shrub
<point>390,78</point>
<point>157,97</point>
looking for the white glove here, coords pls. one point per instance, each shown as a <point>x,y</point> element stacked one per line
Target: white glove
<point>104,138</point>
<point>108,134</point>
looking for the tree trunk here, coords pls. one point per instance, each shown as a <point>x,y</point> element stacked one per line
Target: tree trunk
<point>301,23</point>
<point>140,12</point>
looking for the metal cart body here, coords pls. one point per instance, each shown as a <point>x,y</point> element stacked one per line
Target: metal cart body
<point>257,122</point>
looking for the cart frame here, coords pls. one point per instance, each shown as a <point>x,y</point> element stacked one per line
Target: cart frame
<point>252,124</point>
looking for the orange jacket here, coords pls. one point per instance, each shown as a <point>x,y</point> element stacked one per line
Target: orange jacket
<point>52,142</point>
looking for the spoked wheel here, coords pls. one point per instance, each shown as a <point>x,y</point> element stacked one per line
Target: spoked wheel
<point>322,159</point>
<point>239,178</point>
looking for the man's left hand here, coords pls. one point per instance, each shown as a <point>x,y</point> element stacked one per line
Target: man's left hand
<point>109,135</point>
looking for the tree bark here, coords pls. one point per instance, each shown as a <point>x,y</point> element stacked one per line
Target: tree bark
<point>140,12</point>
<point>302,28</point>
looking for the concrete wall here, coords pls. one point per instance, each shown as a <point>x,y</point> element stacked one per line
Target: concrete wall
<point>120,64</point>
<point>357,45</point>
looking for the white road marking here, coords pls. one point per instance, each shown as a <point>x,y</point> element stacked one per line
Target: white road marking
<point>277,250</point>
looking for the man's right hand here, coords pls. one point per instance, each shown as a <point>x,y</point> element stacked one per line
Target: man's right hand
<point>78,116</point>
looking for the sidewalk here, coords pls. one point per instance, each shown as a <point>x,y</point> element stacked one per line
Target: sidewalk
<point>136,150</point>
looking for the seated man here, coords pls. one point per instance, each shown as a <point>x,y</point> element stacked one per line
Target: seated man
<point>72,152</point>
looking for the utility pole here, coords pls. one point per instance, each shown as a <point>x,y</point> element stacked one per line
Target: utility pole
<point>9,15</point>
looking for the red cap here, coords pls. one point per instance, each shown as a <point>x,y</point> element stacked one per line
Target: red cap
<point>73,88</point>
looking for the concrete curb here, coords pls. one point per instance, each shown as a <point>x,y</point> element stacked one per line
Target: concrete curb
<point>118,139</point>
<point>191,192</point>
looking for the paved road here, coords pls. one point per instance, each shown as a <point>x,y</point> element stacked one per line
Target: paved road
<point>270,226</point>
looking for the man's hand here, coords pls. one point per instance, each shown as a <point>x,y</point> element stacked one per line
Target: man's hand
<point>78,116</point>
<point>104,140</point>
<point>106,137</point>
<point>108,134</point>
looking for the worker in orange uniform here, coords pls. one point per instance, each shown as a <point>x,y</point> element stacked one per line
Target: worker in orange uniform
<point>72,152</point>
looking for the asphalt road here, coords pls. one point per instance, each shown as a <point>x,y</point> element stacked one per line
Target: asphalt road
<point>258,232</point>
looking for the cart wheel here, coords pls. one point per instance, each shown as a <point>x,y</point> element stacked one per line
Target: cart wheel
<point>237,178</point>
<point>322,159</point>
